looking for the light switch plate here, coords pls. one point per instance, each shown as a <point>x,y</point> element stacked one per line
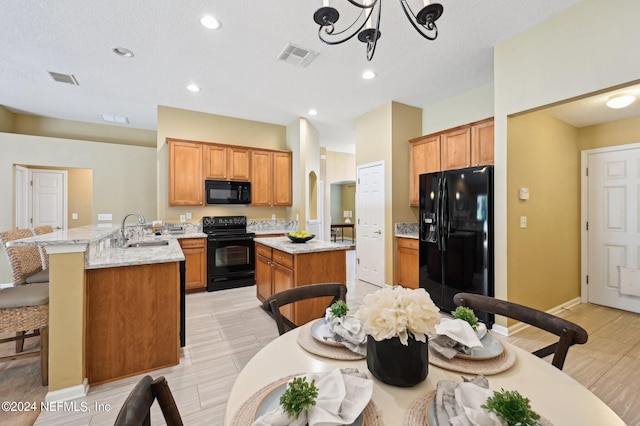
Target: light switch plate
<point>105,216</point>
<point>74,216</point>
<point>523,221</point>
<point>523,193</point>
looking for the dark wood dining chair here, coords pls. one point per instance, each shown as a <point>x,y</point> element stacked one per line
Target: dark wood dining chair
<point>568,332</point>
<point>274,303</point>
<point>136,410</point>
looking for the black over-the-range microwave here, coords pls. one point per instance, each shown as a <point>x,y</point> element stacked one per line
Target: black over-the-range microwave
<point>227,192</point>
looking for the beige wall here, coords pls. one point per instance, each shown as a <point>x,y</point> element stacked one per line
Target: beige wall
<point>123,176</point>
<point>468,107</point>
<point>80,198</point>
<point>382,135</point>
<point>6,120</point>
<point>619,132</point>
<point>197,126</point>
<point>544,257</point>
<point>549,63</point>
<point>68,129</point>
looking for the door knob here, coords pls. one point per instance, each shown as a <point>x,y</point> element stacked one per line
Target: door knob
<point>377,232</point>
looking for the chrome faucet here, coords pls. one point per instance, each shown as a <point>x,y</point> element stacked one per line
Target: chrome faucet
<point>141,221</point>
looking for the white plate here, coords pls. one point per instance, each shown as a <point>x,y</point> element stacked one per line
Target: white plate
<point>320,331</point>
<point>272,401</point>
<point>491,349</point>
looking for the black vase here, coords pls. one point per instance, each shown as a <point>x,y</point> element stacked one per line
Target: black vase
<point>396,364</point>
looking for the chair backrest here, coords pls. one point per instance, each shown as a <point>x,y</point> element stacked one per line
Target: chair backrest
<point>568,332</point>
<point>136,410</point>
<point>39,230</point>
<point>312,291</point>
<point>25,261</point>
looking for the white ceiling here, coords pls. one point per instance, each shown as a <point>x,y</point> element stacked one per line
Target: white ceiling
<point>237,66</point>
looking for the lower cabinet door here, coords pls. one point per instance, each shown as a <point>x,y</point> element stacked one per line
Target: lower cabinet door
<point>263,277</point>
<point>283,280</point>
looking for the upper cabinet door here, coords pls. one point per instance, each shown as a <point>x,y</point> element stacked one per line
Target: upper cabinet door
<point>239,164</point>
<point>455,149</point>
<point>261,172</point>
<point>186,186</point>
<point>216,162</point>
<point>424,157</point>
<point>282,181</point>
<point>482,143</point>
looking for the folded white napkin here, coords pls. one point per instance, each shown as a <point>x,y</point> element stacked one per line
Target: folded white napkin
<point>341,399</point>
<point>470,397</point>
<point>350,330</point>
<point>454,336</point>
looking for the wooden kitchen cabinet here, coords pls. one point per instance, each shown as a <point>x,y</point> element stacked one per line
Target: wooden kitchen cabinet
<point>482,143</point>
<point>455,149</point>
<point>408,262</point>
<point>271,178</point>
<point>464,146</point>
<point>186,185</point>
<point>277,270</point>
<point>195,254</point>
<point>227,163</point>
<point>424,157</point>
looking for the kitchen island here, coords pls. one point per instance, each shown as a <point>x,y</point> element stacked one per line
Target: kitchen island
<point>113,312</point>
<point>282,264</point>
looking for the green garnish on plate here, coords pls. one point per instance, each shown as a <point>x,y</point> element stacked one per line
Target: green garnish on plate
<point>300,395</point>
<point>339,309</point>
<point>466,314</point>
<point>512,407</point>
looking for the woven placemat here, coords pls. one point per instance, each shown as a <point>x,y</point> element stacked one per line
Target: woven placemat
<point>496,365</point>
<point>417,413</point>
<point>246,414</point>
<point>310,344</point>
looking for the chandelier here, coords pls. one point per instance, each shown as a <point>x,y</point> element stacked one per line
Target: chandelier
<point>367,23</point>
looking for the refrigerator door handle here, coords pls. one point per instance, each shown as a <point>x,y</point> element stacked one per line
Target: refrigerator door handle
<point>445,214</point>
<point>439,222</point>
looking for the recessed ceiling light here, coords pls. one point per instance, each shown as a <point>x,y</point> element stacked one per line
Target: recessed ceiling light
<point>115,118</point>
<point>313,112</point>
<point>124,52</point>
<point>193,87</point>
<point>368,75</point>
<point>210,22</point>
<point>620,101</point>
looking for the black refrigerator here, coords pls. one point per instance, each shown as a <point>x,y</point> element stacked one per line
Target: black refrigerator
<point>456,235</point>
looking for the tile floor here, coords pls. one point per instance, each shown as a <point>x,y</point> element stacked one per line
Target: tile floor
<point>226,328</point>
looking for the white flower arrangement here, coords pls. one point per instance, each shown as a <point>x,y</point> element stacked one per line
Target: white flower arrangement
<point>399,312</point>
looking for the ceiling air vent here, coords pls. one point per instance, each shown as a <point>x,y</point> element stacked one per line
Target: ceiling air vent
<point>64,78</point>
<point>297,55</point>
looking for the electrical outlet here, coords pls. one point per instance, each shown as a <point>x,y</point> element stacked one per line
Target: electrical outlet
<point>188,215</point>
<point>523,221</point>
<point>273,217</point>
<point>182,218</point>
<point>105,216</point>
<point>74,216</point>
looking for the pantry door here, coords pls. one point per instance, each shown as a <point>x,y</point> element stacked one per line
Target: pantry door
<point>370,260</point>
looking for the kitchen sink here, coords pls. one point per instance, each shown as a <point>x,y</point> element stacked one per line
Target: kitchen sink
<point>148,243</point>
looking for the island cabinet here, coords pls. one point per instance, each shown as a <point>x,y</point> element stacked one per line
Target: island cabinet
<point>227,162</point>
<point>464,146</point>
<point>186,186</point>
<point>408,262</point>
<point>132,320</point>
<point>277,270</point>
<point>195,255</point>
<point>271,178</point>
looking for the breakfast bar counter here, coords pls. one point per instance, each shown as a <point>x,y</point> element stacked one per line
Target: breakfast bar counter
<point>282,264</point>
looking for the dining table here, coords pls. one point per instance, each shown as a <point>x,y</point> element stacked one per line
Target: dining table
<point>556,396</point>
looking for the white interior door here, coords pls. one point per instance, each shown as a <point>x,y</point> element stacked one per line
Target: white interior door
<point>48,198</point>
<point>370,223</point>
<point>613,231</point>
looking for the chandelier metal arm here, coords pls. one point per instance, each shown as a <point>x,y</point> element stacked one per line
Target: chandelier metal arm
<point>363,6</point>
<point>330,30</point>
<point>429,15</point>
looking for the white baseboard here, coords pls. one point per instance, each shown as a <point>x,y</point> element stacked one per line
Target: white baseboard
<point>69,393</point>
<point>507,331</point>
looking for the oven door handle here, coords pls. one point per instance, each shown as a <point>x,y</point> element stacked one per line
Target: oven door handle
<point>231,238</point>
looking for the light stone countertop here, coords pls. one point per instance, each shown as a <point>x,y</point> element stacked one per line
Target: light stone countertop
<point>72,236</point>
<point>114,256</point>
<point>412,235</point>
<point>284,244</point>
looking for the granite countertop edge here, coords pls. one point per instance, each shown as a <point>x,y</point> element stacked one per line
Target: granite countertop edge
<point>414,236</point>
<point>312,246</point>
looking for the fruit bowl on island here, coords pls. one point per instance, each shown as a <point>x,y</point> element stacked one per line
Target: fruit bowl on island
<point>300,236</point>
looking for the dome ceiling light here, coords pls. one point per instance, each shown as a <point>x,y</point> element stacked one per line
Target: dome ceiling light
<point>620,101</point>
